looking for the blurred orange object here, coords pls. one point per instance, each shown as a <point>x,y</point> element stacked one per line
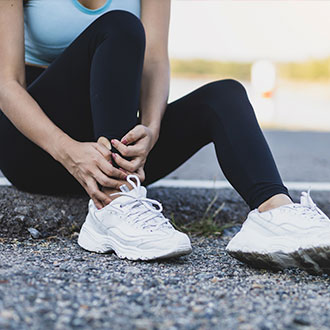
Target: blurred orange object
<point>267,95</point>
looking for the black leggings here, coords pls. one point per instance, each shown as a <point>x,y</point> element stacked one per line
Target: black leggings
<point>92,90</point>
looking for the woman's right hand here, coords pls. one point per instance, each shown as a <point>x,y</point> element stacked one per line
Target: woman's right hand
<point>89,163</point>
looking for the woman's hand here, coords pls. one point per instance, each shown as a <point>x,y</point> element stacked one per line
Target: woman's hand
<point>136,145</point>
<point>90,164</point>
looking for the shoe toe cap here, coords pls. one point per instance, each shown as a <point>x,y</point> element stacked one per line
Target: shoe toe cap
<point>182,239</point>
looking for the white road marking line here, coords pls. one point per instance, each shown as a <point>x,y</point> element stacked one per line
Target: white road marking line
<point>210,184</point>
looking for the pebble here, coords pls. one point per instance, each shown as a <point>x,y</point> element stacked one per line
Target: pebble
<point>22,210</point>
<point>35,233</point>
<point>301,320</point>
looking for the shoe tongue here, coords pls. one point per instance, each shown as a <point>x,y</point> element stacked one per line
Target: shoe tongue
<point>124,188</point>
<point>137,192</point>
<point>143,192</point>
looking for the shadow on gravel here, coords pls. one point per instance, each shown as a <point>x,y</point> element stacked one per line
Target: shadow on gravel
<point>24,215</point>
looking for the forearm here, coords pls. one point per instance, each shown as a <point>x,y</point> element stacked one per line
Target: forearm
<point>154,94</point>
<point>27,116</point>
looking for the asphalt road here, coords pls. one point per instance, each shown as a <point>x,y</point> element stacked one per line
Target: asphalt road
<point>300,156</point>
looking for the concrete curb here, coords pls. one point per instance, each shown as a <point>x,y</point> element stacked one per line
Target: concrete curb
<point>22,212</point>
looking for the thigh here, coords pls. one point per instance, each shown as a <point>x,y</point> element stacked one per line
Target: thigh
<point>183,132</point>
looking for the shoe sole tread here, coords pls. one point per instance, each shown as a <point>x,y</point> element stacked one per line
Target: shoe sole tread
<point>315,260</point>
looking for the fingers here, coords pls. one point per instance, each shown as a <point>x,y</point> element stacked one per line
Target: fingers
<point>99,198</point>
<point>104,165</point>
<point>129,151</point>
<point>133,135</point>
<point>107,182</point>
<point>106,153</point>
<point>140,173</point>
<point>104,141</point>
<point>130,166</point>
<point>110,170</point>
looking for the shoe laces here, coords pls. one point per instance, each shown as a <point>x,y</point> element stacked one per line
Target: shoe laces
<point>141,211</point>
<point>310,209</point>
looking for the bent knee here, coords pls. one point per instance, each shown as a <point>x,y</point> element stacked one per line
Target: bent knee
<point>224,98</point>
<point>222,92</point>
<point>120,24</point>
<point>226,87</point>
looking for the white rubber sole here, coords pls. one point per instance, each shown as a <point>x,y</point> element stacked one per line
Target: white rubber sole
<point>313,259</point>
<point>93,241</point>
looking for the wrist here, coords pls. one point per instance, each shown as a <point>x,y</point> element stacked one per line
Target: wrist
<point>155,129</point>
<point>59,148</point>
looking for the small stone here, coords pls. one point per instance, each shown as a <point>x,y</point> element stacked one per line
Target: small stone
<point>78,322</point>
<point>214,280</point>
<point>231,231</point>
<point>8,314</point>
<point>132,270</point>
<point>301,320</point>
<point>20,217</point>
<point>197,309</point>
<point>84,306</point>
<point>22,210</point>
<point>35,233</point>
<point>204,277</point>
<point>143,324</point>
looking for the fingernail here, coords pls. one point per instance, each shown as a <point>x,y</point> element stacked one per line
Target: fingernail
<point>124,141</point>
<point>113,141</point>
<point>114,155</point>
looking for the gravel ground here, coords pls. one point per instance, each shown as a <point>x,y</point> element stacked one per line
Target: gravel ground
<point>63,215</point>
<point>52,283</point>
<point>23,214</point>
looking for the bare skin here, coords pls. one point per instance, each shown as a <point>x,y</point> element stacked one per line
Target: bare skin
<point>90,162</point>
<point>274,202</point>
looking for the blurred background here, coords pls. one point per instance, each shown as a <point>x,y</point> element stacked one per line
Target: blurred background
<point>280,51</point>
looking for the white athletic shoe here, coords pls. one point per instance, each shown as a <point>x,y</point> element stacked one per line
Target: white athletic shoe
<point>133,227</point>
<point>295,235</point>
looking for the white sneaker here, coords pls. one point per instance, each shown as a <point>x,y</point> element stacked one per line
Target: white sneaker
<point>295,235</point>
<point>133,227</point>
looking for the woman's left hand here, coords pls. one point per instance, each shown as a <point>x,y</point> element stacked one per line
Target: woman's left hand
<point>136,145</point>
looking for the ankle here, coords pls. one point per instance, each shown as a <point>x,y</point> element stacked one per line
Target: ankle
<point>274,202</point>
<point>110,191</point>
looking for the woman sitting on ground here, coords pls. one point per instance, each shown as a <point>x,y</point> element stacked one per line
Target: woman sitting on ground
<point>75,74</point>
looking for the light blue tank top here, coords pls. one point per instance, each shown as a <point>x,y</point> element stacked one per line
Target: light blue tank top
<point>50,26</point>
